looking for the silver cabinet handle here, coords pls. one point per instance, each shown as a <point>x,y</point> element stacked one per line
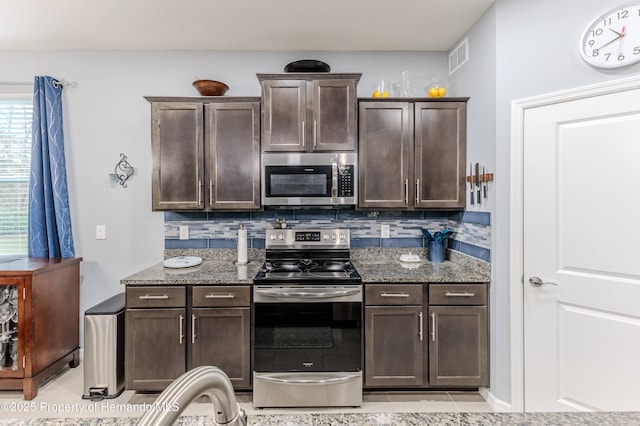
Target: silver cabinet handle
<point>193,329</point>
<point>420,330</point>
<point>199,192</point>
<point>406,191</point>
<point>307,294</point>
<point>210,192</point>
<point>180,330</point>
<point>304,142</point>
<point>154,296</point>
<point>385,294</point>
<point>315,133</point>
<point>433,326</point>
<point>463,294</point>
<point>308,381</point>
<point>417,191</point>
<point>220,296</point>
<point>537,282</point>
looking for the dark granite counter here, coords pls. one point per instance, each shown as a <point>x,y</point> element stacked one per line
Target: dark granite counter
<point>384,266</point>
<point>375,265</point>
<point>217,267</point>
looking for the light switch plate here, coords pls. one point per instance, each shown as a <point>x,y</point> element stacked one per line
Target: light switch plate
<point>384,231</point>
<point>184,232</point>
<point>101,232</point>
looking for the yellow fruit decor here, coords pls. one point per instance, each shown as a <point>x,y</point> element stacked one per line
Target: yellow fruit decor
<point>436,91</point>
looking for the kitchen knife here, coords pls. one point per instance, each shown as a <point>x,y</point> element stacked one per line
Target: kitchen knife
<point>471,182</point>
<point>478,180</point>
<point>484,182</point>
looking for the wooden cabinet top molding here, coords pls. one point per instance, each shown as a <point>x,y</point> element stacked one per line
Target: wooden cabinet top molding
<point>202,99</point>
<point>309,76</point>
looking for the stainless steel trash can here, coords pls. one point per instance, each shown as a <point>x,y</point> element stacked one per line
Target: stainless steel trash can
<point>104,349</point>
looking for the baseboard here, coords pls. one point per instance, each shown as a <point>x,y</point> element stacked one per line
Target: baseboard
<point>496,404</point>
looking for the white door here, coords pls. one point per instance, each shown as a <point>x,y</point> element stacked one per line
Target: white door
<point>582,239</point>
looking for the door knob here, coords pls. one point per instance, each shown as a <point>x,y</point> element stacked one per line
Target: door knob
<point>537,282</point>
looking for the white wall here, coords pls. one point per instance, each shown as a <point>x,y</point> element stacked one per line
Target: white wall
<point>536,51</point>
<point>477,79</point>
<point>105,115</point>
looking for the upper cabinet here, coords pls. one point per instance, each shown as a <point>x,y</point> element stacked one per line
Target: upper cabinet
<point>205,153</point>
<point>309,112</point>
<point>412,153</point>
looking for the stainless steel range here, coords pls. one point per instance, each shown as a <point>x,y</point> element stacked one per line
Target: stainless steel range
<point>307,322</point>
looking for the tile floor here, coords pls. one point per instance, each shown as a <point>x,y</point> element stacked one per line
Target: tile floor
<point>60,397</point>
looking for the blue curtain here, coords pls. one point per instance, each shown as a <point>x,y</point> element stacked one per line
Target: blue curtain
<point>49,217</point>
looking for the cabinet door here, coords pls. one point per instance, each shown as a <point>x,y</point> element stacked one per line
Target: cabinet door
<point>385,147</point>
<point>155,348</point>
<point>393,346</point>
<point>220,337</point>
<point>334,115</point>
<point>232,141</point>
<point>177,152</point>
<point>13,326</point>
<point>284,113</point>
<point>440,154</point>
<point>458,346</point>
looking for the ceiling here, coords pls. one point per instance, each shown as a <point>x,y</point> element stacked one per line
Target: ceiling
<point>276,25</point>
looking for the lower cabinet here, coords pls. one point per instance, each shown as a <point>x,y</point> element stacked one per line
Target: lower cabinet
<point>170,329</point>
<point>393,336</point>
<point>426,336</point>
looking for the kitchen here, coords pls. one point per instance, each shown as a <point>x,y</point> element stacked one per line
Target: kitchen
<point>509,59</point>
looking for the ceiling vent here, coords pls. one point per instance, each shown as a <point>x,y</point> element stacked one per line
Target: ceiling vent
<point>458,56</point>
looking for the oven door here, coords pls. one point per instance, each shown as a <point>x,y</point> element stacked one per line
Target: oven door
<point>307,329</point>
<point>285,185</point>
<point>307,346</point>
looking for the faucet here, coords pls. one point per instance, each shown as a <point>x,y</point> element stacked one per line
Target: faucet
<point>205,380</point>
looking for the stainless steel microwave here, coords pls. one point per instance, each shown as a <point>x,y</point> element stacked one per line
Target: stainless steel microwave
<point>309,179</point>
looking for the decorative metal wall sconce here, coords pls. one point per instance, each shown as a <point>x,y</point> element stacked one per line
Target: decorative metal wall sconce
<point>123,171</point>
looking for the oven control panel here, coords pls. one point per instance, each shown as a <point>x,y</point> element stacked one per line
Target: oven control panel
<point>300,238</point>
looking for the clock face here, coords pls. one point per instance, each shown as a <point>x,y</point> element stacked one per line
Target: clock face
<point>613,39</point>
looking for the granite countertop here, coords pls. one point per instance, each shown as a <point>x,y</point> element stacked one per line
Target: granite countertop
<point>375,265</point>
<point>384,266</point>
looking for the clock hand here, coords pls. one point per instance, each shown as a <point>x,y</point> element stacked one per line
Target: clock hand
<point>611,42</point>
<point>617,33</point>
<point>622,35</point>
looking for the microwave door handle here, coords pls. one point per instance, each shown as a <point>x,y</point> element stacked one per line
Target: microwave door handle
<point>334,181</point>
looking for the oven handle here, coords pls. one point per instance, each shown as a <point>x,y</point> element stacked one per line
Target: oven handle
<point>307,294</point>
<point>309,381</point>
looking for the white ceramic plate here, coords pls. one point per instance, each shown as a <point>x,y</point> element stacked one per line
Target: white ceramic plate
<point>182,262</point>
<point>410,258</point>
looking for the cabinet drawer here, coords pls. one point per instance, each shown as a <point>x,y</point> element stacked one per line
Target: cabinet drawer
<point>156,297</point>
<point>394,294</point>
<point>207,296</point>
<point>457,294</point>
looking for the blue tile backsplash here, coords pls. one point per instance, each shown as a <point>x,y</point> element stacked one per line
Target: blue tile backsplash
<point>219,230</point>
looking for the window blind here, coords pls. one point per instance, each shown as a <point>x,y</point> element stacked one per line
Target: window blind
<point>15,161</point>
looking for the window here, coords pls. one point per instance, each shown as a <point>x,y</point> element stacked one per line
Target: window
<point>16,110</point>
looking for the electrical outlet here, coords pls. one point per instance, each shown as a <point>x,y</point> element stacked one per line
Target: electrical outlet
<point>184,232</point>
<point>101,232</point>
<point>384,231</point>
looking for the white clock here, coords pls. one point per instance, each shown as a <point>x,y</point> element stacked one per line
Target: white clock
<point>613,39</point>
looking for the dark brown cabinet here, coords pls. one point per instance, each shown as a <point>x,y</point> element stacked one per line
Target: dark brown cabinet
<point>412,154</point>
<point>458,354</point>
<point>166,336</point>
<point>426,336</point>
<point>205,154</point>
<point>40,321</point>
<point>309,112</point>
<point>155,336</point>
<point>220,331</point>
<point>393,336</point>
